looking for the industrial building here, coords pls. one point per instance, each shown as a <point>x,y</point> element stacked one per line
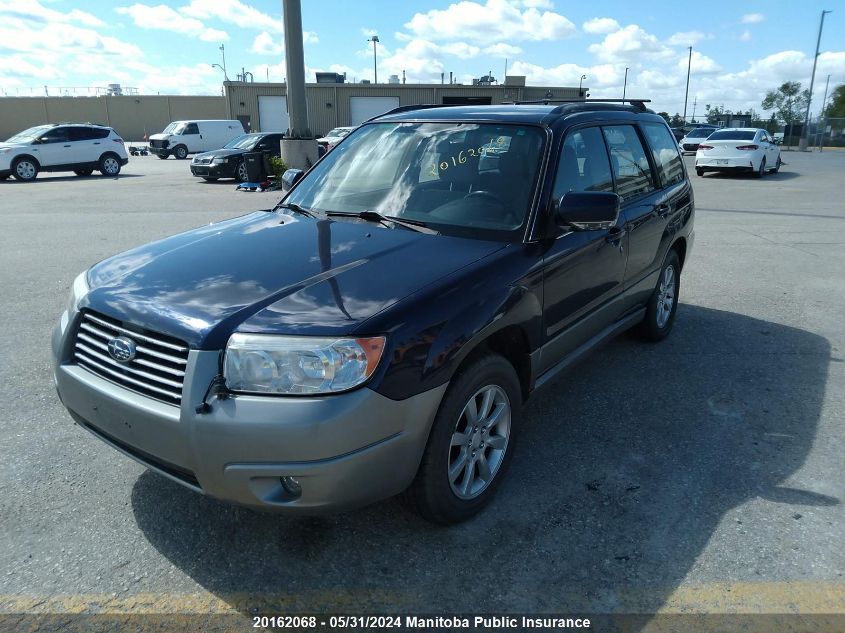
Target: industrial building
<point>260,106</point>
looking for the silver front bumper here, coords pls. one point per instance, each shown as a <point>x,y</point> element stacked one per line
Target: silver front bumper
<point>346,450</point>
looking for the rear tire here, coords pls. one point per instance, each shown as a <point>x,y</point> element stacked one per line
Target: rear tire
<point>663,305</point>
<point>109,165</point>
<point>471,442</point>
<point>777,165</point>
<point>25,169</point>
<point>83,172</point>
<point>762,170</point>
<point>180,152</point>
<point>700,172</point>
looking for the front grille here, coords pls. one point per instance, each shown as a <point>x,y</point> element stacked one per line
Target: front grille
<point>157,371</point>
<point>156,142</point>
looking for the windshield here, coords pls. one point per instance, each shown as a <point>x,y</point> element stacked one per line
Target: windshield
<point>169,129</point>
<point>244,141</point>
<point>30,134</point>
<point>701,132</point>
<point>469,179</point>
<point>733,135</point>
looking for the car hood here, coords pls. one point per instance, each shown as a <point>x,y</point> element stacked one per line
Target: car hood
<point>272,273</point>
<point>16,144</point>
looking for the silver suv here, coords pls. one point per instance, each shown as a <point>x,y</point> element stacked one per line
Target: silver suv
<point>80,148</point>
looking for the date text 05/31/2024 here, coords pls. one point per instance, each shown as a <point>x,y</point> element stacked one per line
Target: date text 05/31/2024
<point>420,622</point>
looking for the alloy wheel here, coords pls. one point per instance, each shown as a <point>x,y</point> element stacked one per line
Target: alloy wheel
<point>111,166</point>
<point>26,170</point>
<point>666,296</point>
<point>479,442</point>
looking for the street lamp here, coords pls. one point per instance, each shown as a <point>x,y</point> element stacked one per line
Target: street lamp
<point>223,67</point>
<point>625,84</point>
<point>374,39</point>
<point>802,144</point>
<point>580,82</point>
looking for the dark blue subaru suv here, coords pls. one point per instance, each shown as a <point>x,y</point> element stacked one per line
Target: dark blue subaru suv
<point>379,330</point>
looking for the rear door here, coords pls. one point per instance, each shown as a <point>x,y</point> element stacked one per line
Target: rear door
<point>772,150</point>
<point>645,209</point>
<point>87,143</point>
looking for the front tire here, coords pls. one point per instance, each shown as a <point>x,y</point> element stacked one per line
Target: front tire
<point>663,305</point>
<point>180,152</point>
<point>109,165</point>
<point>25,169</point>
<point>698,171</point>
<point>471,442</point>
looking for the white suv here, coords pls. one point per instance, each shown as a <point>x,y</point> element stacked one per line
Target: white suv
<point>80,148</point>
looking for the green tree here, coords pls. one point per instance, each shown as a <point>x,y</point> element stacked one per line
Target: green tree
<point>677,120</point>
<point>714,112</point>
<point>836,107</point>
<point>788,102</point>
<point>665,116</point>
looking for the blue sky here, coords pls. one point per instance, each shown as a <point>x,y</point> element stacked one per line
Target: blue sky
<point>741,48</point>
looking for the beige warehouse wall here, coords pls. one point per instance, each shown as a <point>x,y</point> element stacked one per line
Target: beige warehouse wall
<point>130,116</point>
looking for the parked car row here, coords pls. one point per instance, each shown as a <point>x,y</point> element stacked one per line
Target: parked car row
<point>738,150</point>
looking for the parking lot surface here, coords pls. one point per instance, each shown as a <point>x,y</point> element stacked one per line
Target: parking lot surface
<point>701,473</point>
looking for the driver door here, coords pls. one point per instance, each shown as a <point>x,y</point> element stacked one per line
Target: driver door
<point>55,148</point>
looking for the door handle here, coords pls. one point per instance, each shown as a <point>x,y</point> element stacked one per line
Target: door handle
<point>662,210</point>
<point>615,233</point>
<point>96,142</point>
<point>66,146</point>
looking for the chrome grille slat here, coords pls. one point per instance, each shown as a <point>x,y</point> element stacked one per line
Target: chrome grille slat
<point>125,366</point>
<point>157,371</point>
<point>146,350</point>
<point>140,361</point>
<point>121,378</point>
<point>140,337</point>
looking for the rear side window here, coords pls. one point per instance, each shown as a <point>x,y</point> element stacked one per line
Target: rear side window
<point>88,133</point>
<point>628,161</point>
<point>191,128</point>
<point>664,151</point>
<point>583,165</point>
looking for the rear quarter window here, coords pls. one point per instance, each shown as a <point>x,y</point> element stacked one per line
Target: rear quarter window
<point>664,150</point>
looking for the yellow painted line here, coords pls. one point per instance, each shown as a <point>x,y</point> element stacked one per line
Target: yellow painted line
<point>804,597</point>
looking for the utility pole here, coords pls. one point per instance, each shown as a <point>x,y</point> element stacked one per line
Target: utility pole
<point>686,94</point>
<point>822,115</point>
<point>625,84</point>
<point>298,147</point>
<point>802,144</point>
<point>374,39</point>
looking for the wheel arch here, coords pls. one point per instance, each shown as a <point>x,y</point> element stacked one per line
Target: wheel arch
<point>680,247</point>
<point>510,342</point>
<point>16,159</point>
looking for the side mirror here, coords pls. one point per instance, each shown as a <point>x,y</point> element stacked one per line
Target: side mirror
<point>290,178</point>
<point>588,210</point>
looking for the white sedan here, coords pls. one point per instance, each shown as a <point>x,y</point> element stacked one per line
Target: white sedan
<point>749,150</point>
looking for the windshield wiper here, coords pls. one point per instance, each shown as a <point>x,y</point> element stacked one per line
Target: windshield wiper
<point>295,207</point>
<point>375,216</point>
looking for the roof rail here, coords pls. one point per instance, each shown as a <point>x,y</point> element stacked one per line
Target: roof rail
<point>637,103</point>
<point>409,108</point>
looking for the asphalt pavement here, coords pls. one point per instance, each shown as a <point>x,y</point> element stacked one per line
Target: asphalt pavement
<point>704,473</point>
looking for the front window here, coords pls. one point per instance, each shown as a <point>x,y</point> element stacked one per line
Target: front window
<point>470,179</point>
<point>30,135</point>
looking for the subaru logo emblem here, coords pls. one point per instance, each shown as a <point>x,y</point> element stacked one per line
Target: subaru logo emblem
<point>122,349</point>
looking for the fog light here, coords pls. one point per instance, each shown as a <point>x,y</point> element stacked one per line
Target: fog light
<point>291,486</point>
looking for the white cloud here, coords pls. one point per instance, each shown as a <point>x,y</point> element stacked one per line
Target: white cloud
<point>688,38</point>
<point>753,18</point>
<point>266,44</point>
<point>569,74</point>
<point>630,44</point>
<point>461,49</point>
<point>240,14</point>
<point>538,4</point>
<point>493,20</point>
<point>162,17</point>
<point>32,11</point>
<point>601,25</point>
<point>698,64</point>
<point>502,50</point>
<point>746,36</point>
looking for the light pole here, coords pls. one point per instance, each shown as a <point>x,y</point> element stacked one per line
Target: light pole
<point>580,83</point>
<point>625,84</point>
<point>822,117</point>
<point>802,144</point>
<point>223,67</point>
<point>686,94</point>
<point>374,39</point>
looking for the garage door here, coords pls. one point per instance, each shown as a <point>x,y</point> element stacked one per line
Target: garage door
<point>363,108</point>
<point>273,114</point>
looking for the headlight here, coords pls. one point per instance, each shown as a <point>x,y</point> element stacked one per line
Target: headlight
<point>219,161</point>
<point>78,290</point>
<point>259,363</point>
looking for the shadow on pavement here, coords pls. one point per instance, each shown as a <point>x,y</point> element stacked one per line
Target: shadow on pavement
<point>624,470</point>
